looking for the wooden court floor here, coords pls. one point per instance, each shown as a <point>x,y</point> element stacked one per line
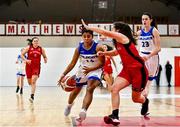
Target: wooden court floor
<point>48,107</point>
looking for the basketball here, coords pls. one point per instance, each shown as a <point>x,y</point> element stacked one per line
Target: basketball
<point>68,83</point>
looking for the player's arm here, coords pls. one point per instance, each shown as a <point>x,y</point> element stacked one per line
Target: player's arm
<point>116,35</point>
<point>100,58</point>
<point>44,55</point>
<point>114,63</point>
<point>108,53</point>
<point>71,64</point>
<point>138,33</point>
<point>157,47</point>
<point>23,55</point>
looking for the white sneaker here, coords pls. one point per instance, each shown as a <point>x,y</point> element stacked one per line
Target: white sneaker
<point>31,100</point>
<point>82,114</point>
<point>67,110</point>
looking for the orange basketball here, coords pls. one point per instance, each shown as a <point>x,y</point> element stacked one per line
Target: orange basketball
<point>68,83</point>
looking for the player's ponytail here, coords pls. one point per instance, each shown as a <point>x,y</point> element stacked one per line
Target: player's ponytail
<point>31,40</point>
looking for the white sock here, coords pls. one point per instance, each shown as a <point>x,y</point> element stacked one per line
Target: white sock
<point>83,110</point>
<point>70,105</point>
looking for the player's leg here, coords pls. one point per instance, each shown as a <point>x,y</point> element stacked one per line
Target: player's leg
<point>18,83</point>
<point>118,85</point>
<point>33,87</point>
<point>71,99</point>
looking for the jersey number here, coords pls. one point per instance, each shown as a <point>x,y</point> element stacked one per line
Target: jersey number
<point>90,61</point>
<point>145,44</point>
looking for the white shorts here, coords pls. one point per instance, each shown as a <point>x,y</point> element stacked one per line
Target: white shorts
<point>151,64</point>
<point>20,71</point>
<point>81,78</point>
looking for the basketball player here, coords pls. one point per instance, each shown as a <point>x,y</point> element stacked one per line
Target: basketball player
<point>89,72</point>
<point>149,46</point>
<point>20,73</point>
<point>107,68</point>
<point>134,71</point>
<point>33,62</point>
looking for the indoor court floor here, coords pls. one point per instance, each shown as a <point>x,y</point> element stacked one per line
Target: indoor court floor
<point>48,107</point>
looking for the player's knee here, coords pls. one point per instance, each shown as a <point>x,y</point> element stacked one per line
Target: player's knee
<point>136,99</point>
<point>90,89</point>
<point>115,90</point>
<point>75,92</point>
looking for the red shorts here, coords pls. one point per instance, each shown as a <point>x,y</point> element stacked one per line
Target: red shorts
<point>107,70</point>
<point>137,76</point>
<point>32,69</point>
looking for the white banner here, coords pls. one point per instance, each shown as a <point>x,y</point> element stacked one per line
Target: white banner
<point>173,29</point>
<point>34,29</point>
<point>69,29</point>
<point>162,29</point>
<point>72,29</point>
<point>22,29</point>
<point>2,29</point>
<point>11,29</point>
<point>58,29</point>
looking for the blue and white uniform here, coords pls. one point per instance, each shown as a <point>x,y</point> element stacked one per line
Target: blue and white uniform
<point>146,46</point>
<point>88,58</point>
<point>20,66</point>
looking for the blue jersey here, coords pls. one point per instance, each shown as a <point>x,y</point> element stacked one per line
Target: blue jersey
<point>88,57</point>
<point>21,66</point>
<point>145,41</point>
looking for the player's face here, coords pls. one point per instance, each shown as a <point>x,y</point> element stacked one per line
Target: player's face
<point>105,47</point>
<point>146,21</point>
<point>35,42</point>
<point>87,37</point>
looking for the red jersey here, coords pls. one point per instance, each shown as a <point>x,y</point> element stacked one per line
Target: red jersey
<point>129,55</point>
<point>34,54</point>
<point>134,69</point>
<point>107,66</point>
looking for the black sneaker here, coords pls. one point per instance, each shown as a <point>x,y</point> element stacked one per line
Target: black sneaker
<point>111,119</point>
<point>21,91</point>
<point>145,107</point>
<point>17,89</point>
<point>31,99</point>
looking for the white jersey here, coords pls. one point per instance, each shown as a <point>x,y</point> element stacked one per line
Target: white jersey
<point>145,41</point>
<point>146,45</point>
<point>20,66</point>
<point>88,58</point>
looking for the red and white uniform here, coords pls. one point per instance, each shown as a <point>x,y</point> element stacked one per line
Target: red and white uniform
<point>34,54</point>
<point>107,69</point>
<point>134,69</point>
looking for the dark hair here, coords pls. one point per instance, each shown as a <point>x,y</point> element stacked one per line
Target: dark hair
<point>31,40</point>
<point>124,29</point>
<point>109,48</point>
<point>84,30</point>
<point>151,17</point>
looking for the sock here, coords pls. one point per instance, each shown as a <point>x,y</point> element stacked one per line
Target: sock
<point>70,105</point>
<point>32,96</point>
<point>17,89</point>
<point>83,110</point>
<point>21,90</point>
<point>116,113</point>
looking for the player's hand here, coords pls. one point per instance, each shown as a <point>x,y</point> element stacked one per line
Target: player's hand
<point>45,60</point>
<point>86,70</point>
<point>60,79</point>
<point>28,61</point>
<point>84,24</point>
<point>145,58</point>
<point>100,53</point>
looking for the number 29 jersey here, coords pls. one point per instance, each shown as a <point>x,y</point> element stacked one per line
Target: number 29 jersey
<point>145,41</point>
